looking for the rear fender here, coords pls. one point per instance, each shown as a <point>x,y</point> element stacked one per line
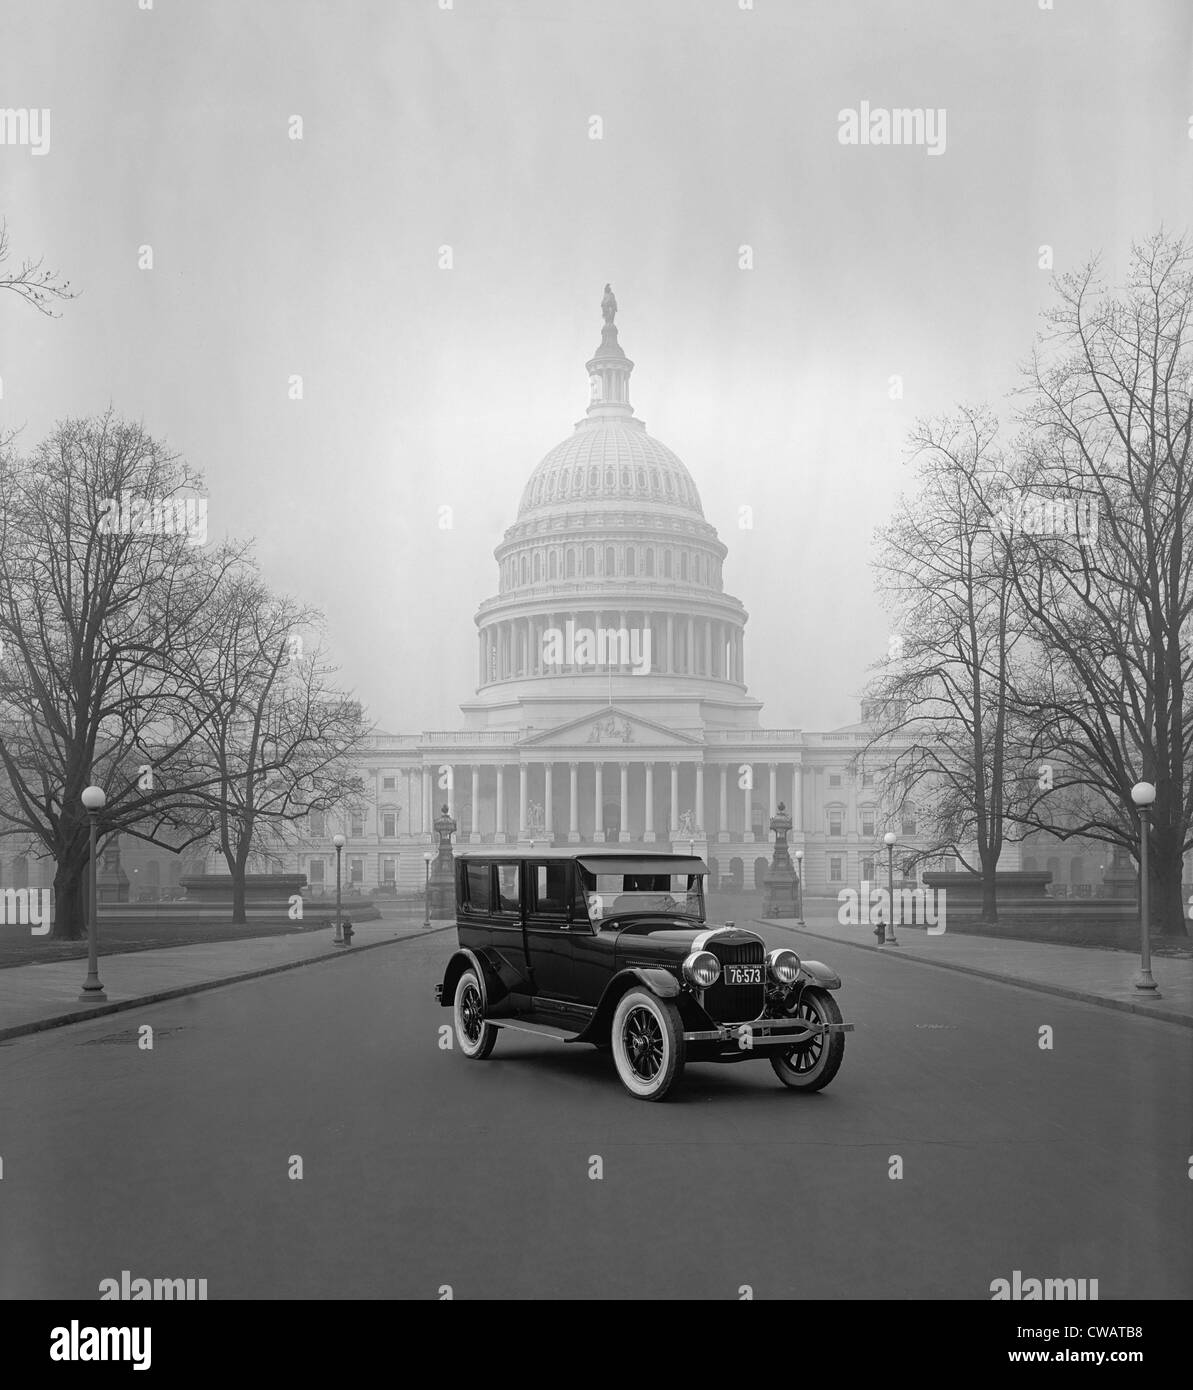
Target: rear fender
<point>491,987</point>
<point>660,982</point>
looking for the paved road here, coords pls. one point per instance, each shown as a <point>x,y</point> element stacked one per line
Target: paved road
<point>422,1169</point>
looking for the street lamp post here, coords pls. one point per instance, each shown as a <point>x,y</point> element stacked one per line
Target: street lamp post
<point>338,938</point>
<point>93,799</point>
<point>1143,794</point>
<point>889,840</point>
<point>799,878</point>
<point>427,858</point>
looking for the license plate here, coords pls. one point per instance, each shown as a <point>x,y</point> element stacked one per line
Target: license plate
<point>742,974</point>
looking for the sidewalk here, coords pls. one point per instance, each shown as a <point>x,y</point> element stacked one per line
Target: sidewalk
<point>1074,972</point>
<point>34,997</point>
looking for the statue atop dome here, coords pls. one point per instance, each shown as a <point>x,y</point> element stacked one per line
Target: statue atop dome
<point>609,304</point>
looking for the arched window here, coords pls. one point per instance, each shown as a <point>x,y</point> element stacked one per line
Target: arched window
<point>571,564</point>
<point>525,568</point>
<point>538,565</point>
<point>553,565</point>
<point>629,560</point>
<point>649,563</point>
<point>594,477</point>
<point>610,560</point>
<point>590,561</point>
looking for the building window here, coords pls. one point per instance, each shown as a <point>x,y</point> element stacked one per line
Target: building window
<point>834,779</point>
<point>648,567</point>
<point>538,565</point>
<point>389,871</point>
<point>316,871</point>
<point>909,823</point>
<point>356,823</point>
<point>867,779</point>
<point>868,823</point>
<point>571,564</point>
<point>389,824</point>
<point>525,568</point>
<point>590,561</point>
<point>666,564</point>
<point>836,821</point>
<point>553,566</point>
<point>836,868</point>
<point>868,869</point>
<point>389,784</point>
<point>683,564</point>
<point>610,560</point>
<point>629,561</point>
<point>318,824</point>
<point>356,870</point>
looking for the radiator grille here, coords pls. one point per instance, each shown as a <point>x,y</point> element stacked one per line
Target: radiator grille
<point>736,1003</point>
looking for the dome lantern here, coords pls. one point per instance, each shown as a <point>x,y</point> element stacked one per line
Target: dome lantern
<point>609,369</point>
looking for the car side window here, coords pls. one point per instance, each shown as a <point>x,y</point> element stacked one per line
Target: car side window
<point>507,888</point>
<point>478,887</point>
<point>549,897</point>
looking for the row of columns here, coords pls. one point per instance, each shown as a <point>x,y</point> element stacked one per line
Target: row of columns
<point>432,774</point>
<point>680,645</point>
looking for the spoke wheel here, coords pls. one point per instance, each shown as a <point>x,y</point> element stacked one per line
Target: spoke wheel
<point>647,1044</point>
<point>810,1065</point>
<point>474,1037</point>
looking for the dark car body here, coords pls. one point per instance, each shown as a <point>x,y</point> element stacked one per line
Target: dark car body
<point>553,955</point>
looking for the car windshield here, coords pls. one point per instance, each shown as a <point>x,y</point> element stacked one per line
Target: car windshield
<point>666,895</point>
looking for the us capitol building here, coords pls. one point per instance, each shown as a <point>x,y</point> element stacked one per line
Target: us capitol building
<point>610,566</point>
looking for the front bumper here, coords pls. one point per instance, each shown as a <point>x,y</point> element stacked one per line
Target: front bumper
<point>766,1032</point>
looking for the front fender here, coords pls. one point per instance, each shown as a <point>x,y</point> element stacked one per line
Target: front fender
<point>817,973</point>
<point>660,982</point>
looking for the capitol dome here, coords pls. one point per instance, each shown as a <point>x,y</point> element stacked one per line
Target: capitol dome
<point>610,460</point>
<point>610,537</point>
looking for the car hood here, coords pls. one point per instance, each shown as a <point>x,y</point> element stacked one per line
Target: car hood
<point>670,939</point>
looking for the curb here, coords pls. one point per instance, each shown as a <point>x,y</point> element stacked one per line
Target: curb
<point>1122,1005</point>
<point>119,1006</point>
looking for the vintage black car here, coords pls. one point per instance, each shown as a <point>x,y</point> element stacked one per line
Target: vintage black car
<point>612,948</point>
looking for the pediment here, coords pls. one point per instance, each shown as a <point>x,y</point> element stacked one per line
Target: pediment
<point>611,729</point>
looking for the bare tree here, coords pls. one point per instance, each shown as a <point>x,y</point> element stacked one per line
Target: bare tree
<point>91,615</point>
<point>944,726</point>
<point>31,282</point>
<point>276,738</point>
<point>1104,572</point>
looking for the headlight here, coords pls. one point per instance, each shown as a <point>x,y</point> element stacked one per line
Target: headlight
<point>784,965</point>
<point>702,969</point>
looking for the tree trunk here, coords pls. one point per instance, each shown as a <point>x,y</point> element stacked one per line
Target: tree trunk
<point>70,900</point>
<point>989,888</point>
<point>239,916</point>
<point>1166,906</point>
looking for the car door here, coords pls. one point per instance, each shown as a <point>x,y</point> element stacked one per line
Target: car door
<point>568,963</point>
<point>490,920</point>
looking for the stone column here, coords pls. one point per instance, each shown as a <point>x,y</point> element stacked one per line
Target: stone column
<point>523,770</point>
<point>774,802</point>
<point>624,833</point>
<point>598,797</point>
<point>690,649</point>
<point>476,803</point>
<point>648,826</point>
<point>747,798</point>
<point>573,805</point>
<point>701,824</point>
<point>426,817</point>
<point>499,823</point>
<point>797,796</point>
<point>548,826</point>
<point>674,800</point>
<point>451,790</point>
<point>723,818</point>
<point>670,643</point>
<point>707,647</point>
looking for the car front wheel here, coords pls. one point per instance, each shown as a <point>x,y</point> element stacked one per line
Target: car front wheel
<point>474,1036</point>
<point>811,1065</point>
<point>647,1042</point>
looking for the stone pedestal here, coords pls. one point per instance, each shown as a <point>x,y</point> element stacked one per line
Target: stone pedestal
<point>780,881</point>
<point>111,882</point>
<point>442,892</point>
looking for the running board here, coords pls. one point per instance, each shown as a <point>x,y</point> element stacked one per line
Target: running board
<point>539,1030</point>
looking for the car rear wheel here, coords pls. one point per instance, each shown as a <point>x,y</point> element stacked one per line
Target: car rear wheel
<point>811,1065</point>
<point>647,1042</point>
<point>474,1036</point>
